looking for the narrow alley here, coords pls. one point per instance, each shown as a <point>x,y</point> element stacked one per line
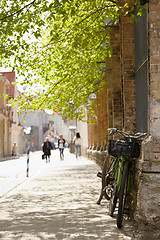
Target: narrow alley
<point>57,201</point>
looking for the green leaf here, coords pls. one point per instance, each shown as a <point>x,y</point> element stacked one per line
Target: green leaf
<point>56,45</point>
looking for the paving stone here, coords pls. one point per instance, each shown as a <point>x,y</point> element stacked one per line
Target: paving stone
<point>59,202</point>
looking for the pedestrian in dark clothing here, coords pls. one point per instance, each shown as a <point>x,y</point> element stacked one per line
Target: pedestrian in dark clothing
<point>47,149</point>
<point>61,146</point>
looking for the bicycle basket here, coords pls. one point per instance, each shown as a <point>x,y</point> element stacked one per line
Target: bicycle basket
<point>120,148</point>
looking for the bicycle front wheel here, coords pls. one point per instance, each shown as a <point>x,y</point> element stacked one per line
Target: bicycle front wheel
<point>104,178</point>
<point>114,186</point>
<point>122,195</point>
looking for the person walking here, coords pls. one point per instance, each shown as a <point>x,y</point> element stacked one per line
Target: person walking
<point>32,147</point>
<point>61,146</point>
<point>77,144</point>
<point>47,149</point>
<point>14,150</point>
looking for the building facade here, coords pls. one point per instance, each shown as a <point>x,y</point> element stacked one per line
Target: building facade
<point>35,126</point>
<point>10,130</point>
<point>130,101</point>
<point>4,117</point>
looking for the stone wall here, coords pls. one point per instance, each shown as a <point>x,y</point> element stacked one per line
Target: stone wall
<point>121,113</point>
<point>148,207</point>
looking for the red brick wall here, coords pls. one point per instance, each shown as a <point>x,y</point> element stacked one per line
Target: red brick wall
<point>116,103</point>
<point>109,100</point>
<point>127,68</point>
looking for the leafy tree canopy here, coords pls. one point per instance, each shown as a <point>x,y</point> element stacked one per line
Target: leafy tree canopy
<point>57,45</point>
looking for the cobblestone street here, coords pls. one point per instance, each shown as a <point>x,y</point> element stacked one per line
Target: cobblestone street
<point>58,202</point>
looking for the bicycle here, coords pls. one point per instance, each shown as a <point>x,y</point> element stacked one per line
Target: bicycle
<point>115,173</point>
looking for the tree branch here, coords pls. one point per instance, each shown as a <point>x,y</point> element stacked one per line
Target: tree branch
<point>11,15</point>
<point>51,90</point>
<point>70,31</point>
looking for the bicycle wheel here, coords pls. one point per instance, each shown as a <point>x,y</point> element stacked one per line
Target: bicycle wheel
<point>114,187</point>
<point>122,195</point>
<point>104,179</point>
<point>113,200</point>
<point>107,178</point>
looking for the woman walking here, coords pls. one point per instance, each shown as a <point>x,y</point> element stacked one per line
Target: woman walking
<point>47,149</point>
<point>77,144</point>
<point>61,146</point>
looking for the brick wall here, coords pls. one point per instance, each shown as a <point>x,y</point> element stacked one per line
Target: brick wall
<point>109,101</point>
<point>92,134</point>
<point>127,67</point>
<point>120,97</point>
<point>114,82</point>
<point>128,92</point>
<point>148,210</point>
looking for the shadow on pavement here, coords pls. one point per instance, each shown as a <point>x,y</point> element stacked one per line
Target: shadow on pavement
<point>59,204</point>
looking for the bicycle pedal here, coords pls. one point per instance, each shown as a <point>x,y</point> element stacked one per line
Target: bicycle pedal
<point>99,174</point>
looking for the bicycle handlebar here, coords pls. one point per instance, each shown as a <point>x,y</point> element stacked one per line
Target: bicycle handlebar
<point>116,130</point>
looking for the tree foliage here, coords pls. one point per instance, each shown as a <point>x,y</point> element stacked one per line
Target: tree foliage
<point>57,45</point>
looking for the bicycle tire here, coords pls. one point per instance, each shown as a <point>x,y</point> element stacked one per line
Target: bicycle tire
<point>113,201</point>
<point>114,190</point>
<point>122,195</point>
<point>104,171</point>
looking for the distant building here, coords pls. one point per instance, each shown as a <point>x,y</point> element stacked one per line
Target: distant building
<point>57,126</point>
<point>39,124</point>
<point>35,126</point>
<point>4,117</point>
<point>10,129</point>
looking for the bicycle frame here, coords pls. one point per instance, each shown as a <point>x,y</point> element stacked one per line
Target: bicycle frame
<point>116,178</point>
<point>121,162</point>
<point>118,165</point>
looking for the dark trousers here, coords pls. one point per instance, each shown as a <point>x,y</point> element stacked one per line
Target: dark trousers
<point>61,152</point>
